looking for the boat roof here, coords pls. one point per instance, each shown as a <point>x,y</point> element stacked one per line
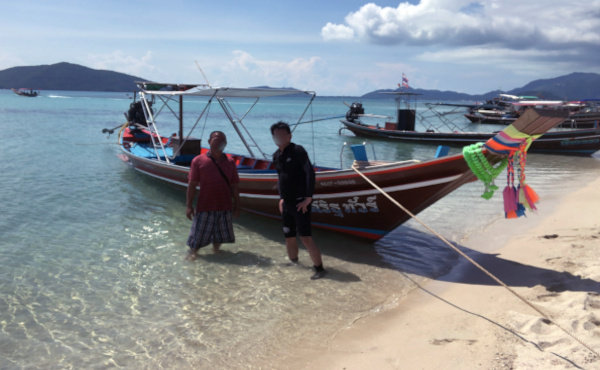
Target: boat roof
<point>514,97</point>
<point>521,97</point>
<point>457,105</point>
<point>155,88</point>
<point>539,102</point>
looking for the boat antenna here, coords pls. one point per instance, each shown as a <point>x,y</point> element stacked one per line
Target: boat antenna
<point>203,75</point>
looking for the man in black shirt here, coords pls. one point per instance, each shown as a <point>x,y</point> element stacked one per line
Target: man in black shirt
<point>296,186</point>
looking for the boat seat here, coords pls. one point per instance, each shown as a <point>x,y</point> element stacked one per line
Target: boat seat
<point>360,152</point>
<point>442,151</point>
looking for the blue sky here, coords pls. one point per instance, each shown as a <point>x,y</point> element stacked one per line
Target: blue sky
<point>332,47</point>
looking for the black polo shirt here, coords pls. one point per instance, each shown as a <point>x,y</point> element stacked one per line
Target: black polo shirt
<point>296,173</point>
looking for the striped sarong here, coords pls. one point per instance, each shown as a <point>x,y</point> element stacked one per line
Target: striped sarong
<point>211,227</point>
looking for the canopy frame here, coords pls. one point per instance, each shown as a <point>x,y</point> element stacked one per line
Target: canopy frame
<point>175,94</point>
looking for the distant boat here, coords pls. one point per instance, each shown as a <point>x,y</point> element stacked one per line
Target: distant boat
<point>581,142</point>
<point>343,201</point>
<point>31,93</point>
<point>505,109</point>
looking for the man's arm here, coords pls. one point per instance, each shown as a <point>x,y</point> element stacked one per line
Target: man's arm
<point>275,159</point>
<point>310,177</point>
<point>235,193</point>
<point>189,199</point>
<point>309,173</point>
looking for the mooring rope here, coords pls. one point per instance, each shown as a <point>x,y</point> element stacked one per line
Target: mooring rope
<point>569,333</point>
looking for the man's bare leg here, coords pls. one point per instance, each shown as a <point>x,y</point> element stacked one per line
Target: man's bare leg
<point>315,256</point>
<point>216,248</point>
<point>292,248</point>
<point>313,250</point>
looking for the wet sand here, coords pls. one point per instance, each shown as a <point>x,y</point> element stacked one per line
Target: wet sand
<point>465,320</point>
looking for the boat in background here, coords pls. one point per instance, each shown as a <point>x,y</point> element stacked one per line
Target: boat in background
<point>581,142</point>
<point>507,108</point>
<point>31,93</point>
<point>342,202</point>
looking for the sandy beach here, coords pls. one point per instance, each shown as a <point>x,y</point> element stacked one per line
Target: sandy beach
<point>465,320</point>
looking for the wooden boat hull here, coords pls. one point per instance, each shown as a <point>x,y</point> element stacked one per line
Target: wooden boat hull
<point>583,142</point>
<point>489,119</point>
<point>343,201</point>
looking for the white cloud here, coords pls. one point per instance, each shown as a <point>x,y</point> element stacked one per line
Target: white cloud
<point>337,32</point>
<point>487,55</point>
<point>309,73</point>
<point>120,62</point>
<point>509,23</point>
<point>246,70</point>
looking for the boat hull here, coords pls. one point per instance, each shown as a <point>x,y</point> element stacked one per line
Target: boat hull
<point>343,201</point>
<point>583,142</point>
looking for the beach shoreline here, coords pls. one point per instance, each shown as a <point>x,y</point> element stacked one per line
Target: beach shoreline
<point>465,320</point>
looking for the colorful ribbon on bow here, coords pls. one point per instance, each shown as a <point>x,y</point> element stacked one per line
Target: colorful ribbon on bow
<point>513,145</point>
<point>484,171</point>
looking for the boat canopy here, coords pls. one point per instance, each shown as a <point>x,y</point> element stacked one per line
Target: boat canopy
<point>515,97</point>
<point>507,96</point>
<point>538,102</point>
<point>172,94</point>
<point>219,92</point>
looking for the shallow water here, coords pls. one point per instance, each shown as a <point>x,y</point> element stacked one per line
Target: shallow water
<point>92,252</point>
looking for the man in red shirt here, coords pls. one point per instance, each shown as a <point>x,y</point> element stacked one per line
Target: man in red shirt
<point>218,200</point>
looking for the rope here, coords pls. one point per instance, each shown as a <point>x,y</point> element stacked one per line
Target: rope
<point>120,131</point>
<point>566,331</point>
<point>312,130</point>
<point>205,120</point>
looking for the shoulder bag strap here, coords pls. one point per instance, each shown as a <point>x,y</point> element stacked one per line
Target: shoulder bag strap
<point>220,171</point>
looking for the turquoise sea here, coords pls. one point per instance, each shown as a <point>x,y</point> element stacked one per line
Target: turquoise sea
<point>92,252</point>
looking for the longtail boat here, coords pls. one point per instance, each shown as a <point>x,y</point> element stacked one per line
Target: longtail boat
<point>506,109</point>
<point>343,201</point>
<point>30,93</point>
<point>579,142</point>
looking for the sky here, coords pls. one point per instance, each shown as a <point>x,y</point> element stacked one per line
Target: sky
<point>338,47</point>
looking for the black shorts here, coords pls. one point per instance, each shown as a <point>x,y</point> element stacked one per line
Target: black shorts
<point>295,222</point>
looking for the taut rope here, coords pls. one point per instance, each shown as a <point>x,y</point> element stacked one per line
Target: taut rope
<point>569,333</point>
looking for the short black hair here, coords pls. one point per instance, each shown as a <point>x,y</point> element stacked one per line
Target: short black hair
<point>216,132</point>
<point>280,126</point>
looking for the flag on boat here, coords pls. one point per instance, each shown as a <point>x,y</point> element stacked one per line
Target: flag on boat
<point>404,81</point>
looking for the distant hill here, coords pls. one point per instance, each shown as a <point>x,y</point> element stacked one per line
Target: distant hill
<point>66,76</point>
<point>74,77</point>
<point>575,86</point>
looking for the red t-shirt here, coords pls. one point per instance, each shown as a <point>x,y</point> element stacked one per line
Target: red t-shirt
<point>215,194</point>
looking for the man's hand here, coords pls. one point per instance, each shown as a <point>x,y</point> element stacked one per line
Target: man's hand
<point>303,206</point>
<point>236,211</point>
<point>281,206</point>
<point>189,212</point>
